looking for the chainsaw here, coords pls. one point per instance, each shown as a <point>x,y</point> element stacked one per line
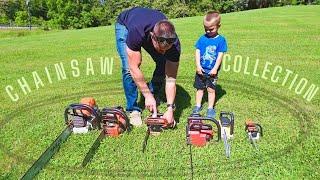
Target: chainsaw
<point>79,118</point>
<point>155,125</point>
<point>227,128</point>
<point>113,122</point>
<point>254,132</point>
<point>199,133</point>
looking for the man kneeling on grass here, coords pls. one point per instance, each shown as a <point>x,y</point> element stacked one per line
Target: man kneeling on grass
<point>150,29</point>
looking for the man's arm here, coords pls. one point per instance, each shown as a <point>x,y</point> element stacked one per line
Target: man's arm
<point>171,75</point>
<point>134,61</point>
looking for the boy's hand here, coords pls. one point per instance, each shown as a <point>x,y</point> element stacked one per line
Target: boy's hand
<point>200,70</point>
<point>213,72</point>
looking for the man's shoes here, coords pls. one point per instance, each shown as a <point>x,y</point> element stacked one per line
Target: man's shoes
<point>211,113</point>
<point>196,110</point>
<point>135,118</point>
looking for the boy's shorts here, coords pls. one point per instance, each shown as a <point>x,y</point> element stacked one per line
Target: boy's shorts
<point>204,81</point>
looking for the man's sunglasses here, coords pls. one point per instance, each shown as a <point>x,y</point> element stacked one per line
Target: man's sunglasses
<point>163,39</point>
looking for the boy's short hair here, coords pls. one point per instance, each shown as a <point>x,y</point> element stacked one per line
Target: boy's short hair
<point>212,17</point>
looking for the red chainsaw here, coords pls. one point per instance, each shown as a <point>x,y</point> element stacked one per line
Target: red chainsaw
<point>156,125</point>
<point>199,133</point>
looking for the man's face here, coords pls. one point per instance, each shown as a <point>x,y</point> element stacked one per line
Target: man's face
<point>161,44</point>
<point>211,29</point>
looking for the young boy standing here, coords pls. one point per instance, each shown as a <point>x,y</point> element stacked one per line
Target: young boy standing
<point>210,48</point>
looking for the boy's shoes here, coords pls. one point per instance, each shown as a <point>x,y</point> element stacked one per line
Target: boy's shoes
<point>211,113</point>
<point>135,118</point>
<point>196,110</point>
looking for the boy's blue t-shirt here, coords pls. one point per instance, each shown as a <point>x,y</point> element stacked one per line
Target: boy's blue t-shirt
<point>209,49</point>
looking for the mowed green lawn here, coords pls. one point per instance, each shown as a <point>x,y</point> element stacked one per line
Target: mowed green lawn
<point>285,38</point>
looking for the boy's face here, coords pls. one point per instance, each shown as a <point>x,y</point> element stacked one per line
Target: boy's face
<point>211,29</point>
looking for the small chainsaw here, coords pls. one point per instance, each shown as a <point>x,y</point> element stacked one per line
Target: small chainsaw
<point>198,133</point>
<point>113,122</point>
<point>227,128</point>
<point>156,125</point>
<point>254,132</point>
<point>82,117</point>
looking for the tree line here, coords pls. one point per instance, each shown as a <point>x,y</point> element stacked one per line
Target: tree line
<point>77,14</point>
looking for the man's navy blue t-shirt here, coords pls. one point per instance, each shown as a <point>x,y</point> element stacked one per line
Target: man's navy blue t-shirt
<point>140,22</point>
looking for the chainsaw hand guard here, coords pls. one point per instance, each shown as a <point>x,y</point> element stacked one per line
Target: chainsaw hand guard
<point>114,121</point>
<point>198,133</point>
<point>81,117</point>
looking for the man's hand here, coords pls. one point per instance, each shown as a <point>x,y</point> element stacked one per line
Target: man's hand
<point>168,115</point>
<point>151,104</point>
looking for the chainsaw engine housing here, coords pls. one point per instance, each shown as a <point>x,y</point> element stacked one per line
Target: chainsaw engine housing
<point>198,133</point>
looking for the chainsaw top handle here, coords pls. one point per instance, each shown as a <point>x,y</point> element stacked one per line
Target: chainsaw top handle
<point>78,110</point>
<point>198,117</point>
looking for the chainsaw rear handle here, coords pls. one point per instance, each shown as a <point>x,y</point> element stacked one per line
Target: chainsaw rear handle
<point>226,114</point>
<point>117,111</point>
<point>198,117</point>
<point>81,108</point>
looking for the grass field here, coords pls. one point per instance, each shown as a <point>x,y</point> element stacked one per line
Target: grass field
<point>285,38</point>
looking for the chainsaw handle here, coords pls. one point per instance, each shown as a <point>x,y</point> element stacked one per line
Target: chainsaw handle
<point>257,126</point>
<point>208,119</point>
<point>225,114</point>
<point>80,107</point>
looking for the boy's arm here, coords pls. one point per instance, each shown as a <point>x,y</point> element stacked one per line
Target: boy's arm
<point>214,70</point>
<point>198,65</point>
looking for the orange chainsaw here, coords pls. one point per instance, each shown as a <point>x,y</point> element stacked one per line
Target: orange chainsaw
<point>254,132</point>
<point>156,125</point>
<point>113,122</point>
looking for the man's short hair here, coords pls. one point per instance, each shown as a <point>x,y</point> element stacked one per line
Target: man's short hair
<point>165,29</point>
<point>212,17</point>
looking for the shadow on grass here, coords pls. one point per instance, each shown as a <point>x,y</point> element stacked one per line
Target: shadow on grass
<point>182,100</point>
